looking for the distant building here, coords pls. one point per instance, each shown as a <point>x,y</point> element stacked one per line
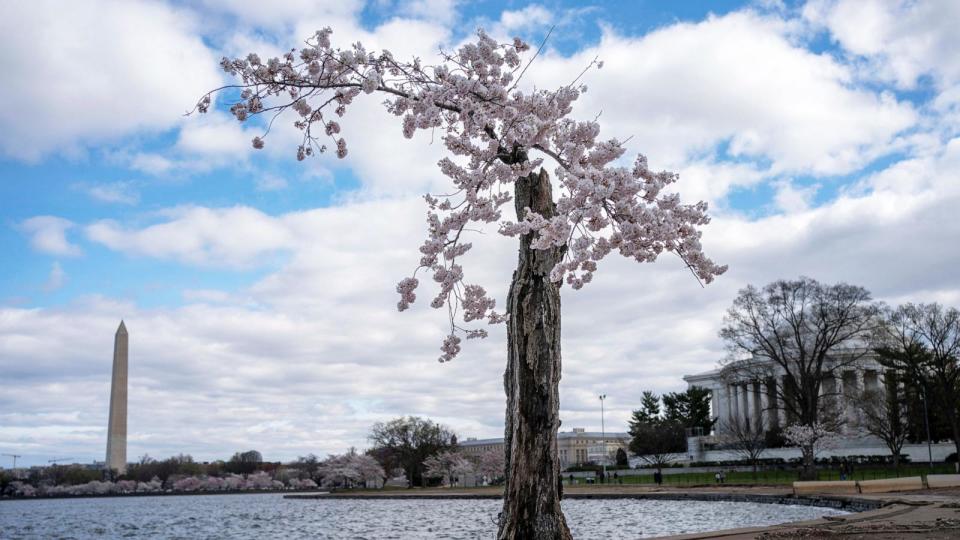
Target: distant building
<point>573,447</point>
<point>749,399</point>
<point>754,397</point>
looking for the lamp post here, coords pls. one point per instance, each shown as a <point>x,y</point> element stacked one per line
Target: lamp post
<point>603,438</point>
<point>926,422</point>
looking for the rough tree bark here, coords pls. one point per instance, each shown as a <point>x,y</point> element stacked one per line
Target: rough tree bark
<point>531,502</point>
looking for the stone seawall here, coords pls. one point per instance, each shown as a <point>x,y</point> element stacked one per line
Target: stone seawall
<point>839,503</point>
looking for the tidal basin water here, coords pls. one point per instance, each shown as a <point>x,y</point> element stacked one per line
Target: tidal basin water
<point>270,516</point>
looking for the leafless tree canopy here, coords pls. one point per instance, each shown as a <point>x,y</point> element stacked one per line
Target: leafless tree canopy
<point>748,440</point>
<point>883,415</point>
<point>802,330</point>
<point>923,342</point>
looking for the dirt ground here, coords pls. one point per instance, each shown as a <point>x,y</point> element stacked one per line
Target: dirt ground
<point>935,521</point>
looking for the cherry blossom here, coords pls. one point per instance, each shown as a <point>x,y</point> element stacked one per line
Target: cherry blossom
<point>448,465</point>
<point>349,469</point>
<point>495,130</point>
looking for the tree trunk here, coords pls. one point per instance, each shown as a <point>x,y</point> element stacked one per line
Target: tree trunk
<point>809,471</point>
<point>531,499</point>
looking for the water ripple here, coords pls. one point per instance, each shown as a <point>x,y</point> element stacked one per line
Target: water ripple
<point>269,517</point>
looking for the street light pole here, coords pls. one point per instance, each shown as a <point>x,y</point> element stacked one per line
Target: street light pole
<point>603,438</point>
<point>926,422</point>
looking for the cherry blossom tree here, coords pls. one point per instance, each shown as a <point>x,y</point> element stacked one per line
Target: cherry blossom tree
<point>349,469</point>
<point>812,439</point>
<point>23,489</point>
<point>490,464</point>
<point>189,483</point>
<point>306,483</point>
<point>448,465</point>
<point>499,130</point>
<point>127,486</point>
<point>153,485</point>
<point>234,482</point>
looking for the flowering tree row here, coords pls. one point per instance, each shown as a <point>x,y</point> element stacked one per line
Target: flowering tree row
<point>451,465</point>
<point>233,482</point>
<point>351,470</point>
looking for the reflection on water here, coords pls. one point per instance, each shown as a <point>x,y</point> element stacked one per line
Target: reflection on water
<point>269,516</point>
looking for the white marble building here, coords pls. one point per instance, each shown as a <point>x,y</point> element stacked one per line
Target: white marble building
<point>744,397</point>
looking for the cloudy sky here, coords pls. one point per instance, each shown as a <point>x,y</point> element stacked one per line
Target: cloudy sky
<point>259,291</point>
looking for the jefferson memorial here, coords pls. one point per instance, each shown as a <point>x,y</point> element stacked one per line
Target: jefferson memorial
<point>739,396</point>
<point>752,396</point>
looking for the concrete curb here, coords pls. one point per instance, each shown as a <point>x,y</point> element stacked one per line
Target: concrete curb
<point>883,485</point>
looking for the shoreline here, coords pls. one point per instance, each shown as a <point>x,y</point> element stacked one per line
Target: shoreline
<point>158,494</point>
<point>850,504</point>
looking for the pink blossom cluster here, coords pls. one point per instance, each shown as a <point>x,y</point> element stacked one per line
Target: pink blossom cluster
<point>495,133</point>
<point>447,465</point>
<point>350,469</point>
<point>491,464</point>
<point>96,487</point>
<point>814,437</point>
<point>178,483</point>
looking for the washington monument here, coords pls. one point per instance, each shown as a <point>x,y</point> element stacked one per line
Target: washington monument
<point>117,428</point>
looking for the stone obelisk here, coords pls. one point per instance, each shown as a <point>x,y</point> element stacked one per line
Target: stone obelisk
<point>117,428</point>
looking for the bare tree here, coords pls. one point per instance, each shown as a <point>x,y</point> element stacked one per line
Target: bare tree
<point>747,440</point>
<point>804,331</point>
<point>923,340</point>
<point>883,415</point>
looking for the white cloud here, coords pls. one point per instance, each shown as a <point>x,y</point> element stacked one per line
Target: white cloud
<point>271,182</point>
<point>532,16</point>
<point>901,40</point>
<point>151,163</point>
<point>281,13</point>
<point>56,279</point>
<point>233,237</point>
<point>48,234</point>
<point>214,135</point>
<point>737,79</point>
<point>441,11</point>
<point>112,192</point>
<point>790,198</point>
<point>82,73</point>
<point>711,181</point>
